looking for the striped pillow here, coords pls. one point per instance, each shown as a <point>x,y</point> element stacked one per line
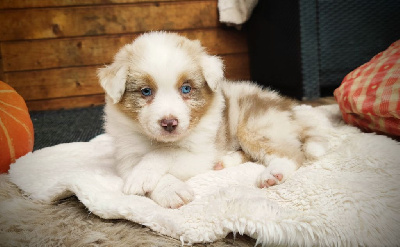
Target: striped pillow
<point>369,96</point>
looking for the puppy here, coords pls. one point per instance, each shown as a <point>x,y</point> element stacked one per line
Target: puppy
<point>172,116</point>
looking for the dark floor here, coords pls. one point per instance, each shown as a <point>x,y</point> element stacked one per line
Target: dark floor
<point>62,126</point>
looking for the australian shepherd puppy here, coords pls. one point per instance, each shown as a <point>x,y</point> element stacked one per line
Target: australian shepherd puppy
<point>172,116</point>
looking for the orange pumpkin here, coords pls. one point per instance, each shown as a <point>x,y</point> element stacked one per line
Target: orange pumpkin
<point>16,129</point>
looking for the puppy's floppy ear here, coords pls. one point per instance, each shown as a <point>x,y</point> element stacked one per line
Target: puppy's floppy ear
<point>213,70</point>
<point>113,79</point>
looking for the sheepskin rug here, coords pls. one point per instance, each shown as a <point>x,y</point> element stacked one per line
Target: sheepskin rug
<point>69,195</point>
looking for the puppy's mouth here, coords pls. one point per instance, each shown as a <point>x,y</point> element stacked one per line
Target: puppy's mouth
<point>169,136</point>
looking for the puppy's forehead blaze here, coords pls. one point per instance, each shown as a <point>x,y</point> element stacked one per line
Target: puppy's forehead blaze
<point>202,101</point>
<point>132,100</point>
<point>164,59</point>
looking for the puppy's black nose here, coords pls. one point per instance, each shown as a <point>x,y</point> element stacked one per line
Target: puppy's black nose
<point>169,124</point>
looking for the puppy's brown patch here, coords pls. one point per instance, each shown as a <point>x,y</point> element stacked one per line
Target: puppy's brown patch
<point>133,100</point>
<point>245,157</point>
<point>254,106</point>
<point>224,137</point>
<point>206,95</point>
<point>199,99</point>
<point>258,147</point>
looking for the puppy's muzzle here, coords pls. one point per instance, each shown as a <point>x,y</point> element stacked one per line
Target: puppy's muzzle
<point>169,124</point>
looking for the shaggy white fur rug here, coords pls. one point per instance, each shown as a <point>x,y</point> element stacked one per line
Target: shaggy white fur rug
<point>348,197</point>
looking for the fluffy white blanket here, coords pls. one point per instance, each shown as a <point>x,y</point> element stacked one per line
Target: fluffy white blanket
<point>349,197</point>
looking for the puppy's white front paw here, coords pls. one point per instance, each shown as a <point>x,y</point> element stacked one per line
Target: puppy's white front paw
<point>278,170</point>
<point>140,182</point>
<point>172,192</point>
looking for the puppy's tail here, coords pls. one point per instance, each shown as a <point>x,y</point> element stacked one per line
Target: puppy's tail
<point>315,130</point>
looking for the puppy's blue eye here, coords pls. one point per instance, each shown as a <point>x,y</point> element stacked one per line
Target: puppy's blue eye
<point>146,91</point>
<point>186,89</point>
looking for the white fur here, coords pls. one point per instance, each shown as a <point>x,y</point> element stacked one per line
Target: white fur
<point>213,70</point>
<point>114,86</point>
<point>155,162</point>
<point>172,192</point>
<point>146,154</point>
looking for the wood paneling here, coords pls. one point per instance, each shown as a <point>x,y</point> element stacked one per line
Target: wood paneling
<point>55,53</point>
<point>65,103</point>
<point>42,23</point>
<point>50,50</point>
<point>237,66</point>
<point>18,4</point>
<point>55,83</point>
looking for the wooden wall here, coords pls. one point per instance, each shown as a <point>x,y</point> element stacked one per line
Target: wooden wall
<point>50,50</point>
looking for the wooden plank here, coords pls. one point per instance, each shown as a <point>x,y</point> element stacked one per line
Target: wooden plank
<point>42,23</point>
<point>237,66</point>
<point>45,54</point>
<point>56,53</point>
<point>81,81</point>
<point>19,4</point>
<point>55,83</point>
<point>65,103</point>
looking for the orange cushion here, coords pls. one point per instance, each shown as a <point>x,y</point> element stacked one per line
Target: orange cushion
<point>369,96</point>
